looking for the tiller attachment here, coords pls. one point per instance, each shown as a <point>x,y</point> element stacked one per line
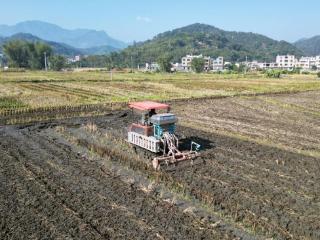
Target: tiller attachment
<point>171,153</point>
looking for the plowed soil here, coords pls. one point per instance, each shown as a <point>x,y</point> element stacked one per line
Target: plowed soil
<point>257,178</point>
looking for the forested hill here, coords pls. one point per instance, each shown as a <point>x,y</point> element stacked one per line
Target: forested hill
<point>207,40</point>
<point>310,46</point>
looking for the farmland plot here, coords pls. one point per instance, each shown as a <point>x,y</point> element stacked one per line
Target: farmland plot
<point>258,176</point>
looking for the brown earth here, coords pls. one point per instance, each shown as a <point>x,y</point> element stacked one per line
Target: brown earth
<point>258,175</point>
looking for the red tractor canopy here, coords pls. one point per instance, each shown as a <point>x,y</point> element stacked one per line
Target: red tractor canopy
<point>148,105</point>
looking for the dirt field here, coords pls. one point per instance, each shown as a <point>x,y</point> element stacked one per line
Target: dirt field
<point>258,176</point>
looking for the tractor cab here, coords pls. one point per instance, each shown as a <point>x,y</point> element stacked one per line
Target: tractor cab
<point>152,123</point>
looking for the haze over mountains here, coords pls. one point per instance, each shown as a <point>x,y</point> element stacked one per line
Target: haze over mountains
<point>78,38</point>
<point>310,46</point>
<point>59,48</point>
<point>192,39</point>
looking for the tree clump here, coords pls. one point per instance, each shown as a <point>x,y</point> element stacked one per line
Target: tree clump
<point>31,55</point>
<point>197,65</point>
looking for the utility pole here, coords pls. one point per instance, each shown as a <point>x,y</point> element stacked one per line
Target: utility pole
<point>246,68</point>
<point>45,61</point>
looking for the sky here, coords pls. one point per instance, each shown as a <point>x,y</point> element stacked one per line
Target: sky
<point>138,20</point>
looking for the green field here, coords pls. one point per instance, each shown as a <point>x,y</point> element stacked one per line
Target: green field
<point>31,90</point>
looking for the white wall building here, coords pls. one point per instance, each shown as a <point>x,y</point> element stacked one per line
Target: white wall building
<point>74,59</point>
<point>153,67</point>
<point>286,61</point>
<point>187,60</point>
<point>318,62</point>
<point>77,58</point>
<point>309,63</point>
<point>218,64</point>
<point>177,67</point>
<point>209,63</point>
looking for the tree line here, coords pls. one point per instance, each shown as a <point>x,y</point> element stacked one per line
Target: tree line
<point>32,55</point>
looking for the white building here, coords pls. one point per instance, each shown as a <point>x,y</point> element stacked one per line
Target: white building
<point>254,65</point>
<point>177,67</point>
<point>270,65</point>
<point>207,63</point>
<point>153,67</point>
<point>74,59</point>
<point>309,63</point>
<point>318,62</point>
<point>218,64</point>
<point>286,61</point>
<point>77,58</point>
<point>187,60</point>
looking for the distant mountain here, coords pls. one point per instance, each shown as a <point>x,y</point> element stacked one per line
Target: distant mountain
<point>207,40</point>
<point>310,46</point>
<point>59,48</point>
<point>79,38</point>
<point>102,50</point>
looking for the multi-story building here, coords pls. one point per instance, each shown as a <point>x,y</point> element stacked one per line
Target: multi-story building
<point>218,64</point>
<point>318,62</point>
<point>309,63</point>
<point>286,61</point>
<point>207,63</point>
<point>187,60</point>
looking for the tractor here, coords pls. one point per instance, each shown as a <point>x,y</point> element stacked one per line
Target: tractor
<point>155,132</point>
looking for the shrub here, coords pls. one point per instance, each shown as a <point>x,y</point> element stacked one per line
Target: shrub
<point>197,65</point>
<point>165,63</point>
<point>273,74</point>
<point>57,63</point>
<point>318,74</point>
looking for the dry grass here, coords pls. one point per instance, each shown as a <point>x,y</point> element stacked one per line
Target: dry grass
<point>91,127</point>
<point>50,89</point>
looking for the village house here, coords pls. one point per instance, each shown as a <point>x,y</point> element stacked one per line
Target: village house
<point>309,63</point>
<point>218,64</point>
<point>286,61</point>
<point>152,67</point>
<point>209,63</point>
